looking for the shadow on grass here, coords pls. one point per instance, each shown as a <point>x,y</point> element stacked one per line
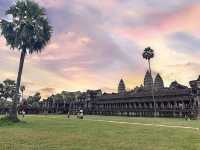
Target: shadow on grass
<point>5,121</point>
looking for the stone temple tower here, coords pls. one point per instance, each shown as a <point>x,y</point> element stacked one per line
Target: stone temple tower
<point>121,87</point>
<point>148,81</point>
<point>158,83</point>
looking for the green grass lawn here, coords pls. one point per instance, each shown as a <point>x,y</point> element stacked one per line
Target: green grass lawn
<point>60,133</point>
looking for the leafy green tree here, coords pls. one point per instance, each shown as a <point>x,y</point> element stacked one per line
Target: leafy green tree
<point>34,102</point>
<point>9,88</point>
<point>7,91</point>
<point>29,32</point>
<point>37,97</point>
<point>34,98</point>
<point>4,105</point>
<point>35,107</point>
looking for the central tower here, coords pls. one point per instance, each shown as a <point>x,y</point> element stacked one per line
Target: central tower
<point>148,81</point>
<point>121,87</point>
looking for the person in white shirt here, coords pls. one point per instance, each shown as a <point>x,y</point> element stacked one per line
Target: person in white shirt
<point>23,113</point>
<point>81,114</point>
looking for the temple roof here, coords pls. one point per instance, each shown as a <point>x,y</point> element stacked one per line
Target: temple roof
<point>158,77</point>
<point>176,85</point>
<point>158,82</point>
<point>143,94</point>
<point>148,81</point>
<point>121,86</point>
<point>121,82</point>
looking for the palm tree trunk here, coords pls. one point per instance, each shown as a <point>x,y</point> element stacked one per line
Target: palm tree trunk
<point>149,66</point>
<point>13,112</point>
<point>152,90</point>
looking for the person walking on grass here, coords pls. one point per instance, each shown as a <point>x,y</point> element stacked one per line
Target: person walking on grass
<point>80,115</point>
<point>23,113</point>
<point>68,115</point>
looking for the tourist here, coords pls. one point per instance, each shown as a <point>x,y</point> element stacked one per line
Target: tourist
<point>23,113</point>
<point>68,115</point>
<point>81,114</point>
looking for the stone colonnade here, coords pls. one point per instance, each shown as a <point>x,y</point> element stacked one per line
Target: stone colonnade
<point>168,106</point>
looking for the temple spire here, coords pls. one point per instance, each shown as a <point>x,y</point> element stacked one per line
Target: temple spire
<point>148,81</point>
<point>121,87</point>
<point>158,84</point>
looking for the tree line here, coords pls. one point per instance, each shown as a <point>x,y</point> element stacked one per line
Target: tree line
<point>32,104</point>
<point>7,94</point>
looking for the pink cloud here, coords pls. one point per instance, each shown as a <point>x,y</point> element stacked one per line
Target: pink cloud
<point>101,5</point>
<point>65,46</point>
<point>185,19</point>
<point>51,3</point>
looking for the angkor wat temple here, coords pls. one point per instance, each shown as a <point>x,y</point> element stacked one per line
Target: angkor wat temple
<point>151,99</point>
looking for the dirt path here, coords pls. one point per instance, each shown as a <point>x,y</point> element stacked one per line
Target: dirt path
<point>145,124</point>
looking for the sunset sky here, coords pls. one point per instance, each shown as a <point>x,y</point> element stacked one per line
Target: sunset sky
<point>97,42</point>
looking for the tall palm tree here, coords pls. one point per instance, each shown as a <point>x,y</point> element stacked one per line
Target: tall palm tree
<point>22,89</point>
<point>28,31</point>
<point>148,54</point>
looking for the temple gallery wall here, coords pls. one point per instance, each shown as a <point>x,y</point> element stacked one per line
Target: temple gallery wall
<point>150,99</point>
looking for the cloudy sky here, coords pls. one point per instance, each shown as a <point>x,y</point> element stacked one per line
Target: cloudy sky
<point>97,42</point>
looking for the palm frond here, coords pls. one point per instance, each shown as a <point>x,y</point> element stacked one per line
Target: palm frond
<point>29,29</point>
<point>148,53</point>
